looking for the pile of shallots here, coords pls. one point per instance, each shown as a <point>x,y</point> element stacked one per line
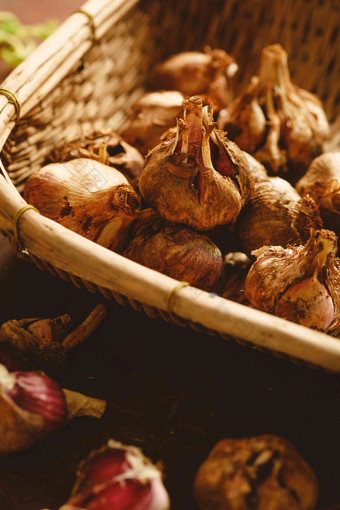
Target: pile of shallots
<point>196,176</point>
<point>195,185</point>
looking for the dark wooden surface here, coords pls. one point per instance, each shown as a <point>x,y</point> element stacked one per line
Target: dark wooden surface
<point>172,391</point>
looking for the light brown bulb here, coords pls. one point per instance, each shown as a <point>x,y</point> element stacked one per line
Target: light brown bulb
<point>107,147</point>
<point>90,198</point>
<point>262,473</point>
<point>196,177</point>
<point>195,73</point>
<point>275,216</point>
<point>298,283</point>
<point>280,124</point>
<point>151,116</point>
<point>175,250</point>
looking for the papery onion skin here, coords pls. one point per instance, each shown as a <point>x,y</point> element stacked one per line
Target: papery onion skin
<point>275,216</point>
<point>107,147</point>
<point>90,198</point>
<point>176,251</point>
<point>279,275</point>
<point>280,124</point>
<point>198,177</point>
<point>322,182</point>
<point>264,472</point>
<point>197,73</point>
<point>151,116</point>
<point>118,477</point>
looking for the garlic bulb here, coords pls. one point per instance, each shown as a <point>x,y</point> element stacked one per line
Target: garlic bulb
<point>276,216</point>
<point>322,181</point>
<point>176,251</point>
<point>118,477</point>
<point>197,73</point>
<point>264,472</point>
<point>32,406</point>
<point>298,283</point>
<point>108,148</point>
<point>43,342</point>
<point>90,198</point>
<point>280,124</point>
<point>152,115</point>
<point>196,177</point>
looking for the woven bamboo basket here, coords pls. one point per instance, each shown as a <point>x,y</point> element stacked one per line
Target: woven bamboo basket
<point>87,75</point>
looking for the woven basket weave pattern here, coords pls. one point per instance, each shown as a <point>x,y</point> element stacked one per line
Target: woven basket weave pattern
<point>111,76</point>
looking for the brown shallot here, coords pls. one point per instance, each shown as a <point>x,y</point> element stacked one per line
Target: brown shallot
<point>176,251</point>
<point>298,283</point>
<point>275,216</point>
<point>196,177</point>
<point>90,198</point>
<point>280,124</point>
<point>198,73</point>
<point>107,147</point>
<point>152,115</point>
<point>264,472</point>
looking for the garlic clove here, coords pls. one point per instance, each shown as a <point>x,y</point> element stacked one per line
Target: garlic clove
<point>275,216</point>
<point>259,472</point>
<point>151,116</point>
<point>32,406</point>
<point>176,251</point>
<point>300,283</point>
<point>87,197</point>
<point>196,73</point>
<point>107,147</point>
<point>196,177</point>
<point>118,477</point>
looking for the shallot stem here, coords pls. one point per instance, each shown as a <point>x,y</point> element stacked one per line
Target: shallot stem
<point>86,328</point>
<point>82,405</point>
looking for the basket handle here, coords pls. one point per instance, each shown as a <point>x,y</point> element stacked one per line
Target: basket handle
<point>74,254</point>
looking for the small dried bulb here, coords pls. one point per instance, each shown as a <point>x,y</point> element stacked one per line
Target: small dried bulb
<point>32,406</point>
<point>280,124</point>
<point>176,251</point>
<point>322,182</point>
<point>152,115</point>
<point>264,472</point>
<point>118,477</point>
<point>107,147</point>
<point>196,177</point>
<point>196,73</point>
<point>276,216</point>
<point>43,342</point>
<point>92,199</point>
<point>298,283</point>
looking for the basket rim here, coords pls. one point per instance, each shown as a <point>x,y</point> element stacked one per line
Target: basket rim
<point>54,58</point>
<point>70,252</point>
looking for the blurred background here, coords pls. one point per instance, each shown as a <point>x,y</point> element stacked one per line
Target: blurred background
<point>18,17</point>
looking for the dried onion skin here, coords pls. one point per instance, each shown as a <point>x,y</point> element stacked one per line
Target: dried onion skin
<point>92,199</point>
<point>177,251</point>
<point>298,283</point>
<point>196,177</point>
<point>280,124</point>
